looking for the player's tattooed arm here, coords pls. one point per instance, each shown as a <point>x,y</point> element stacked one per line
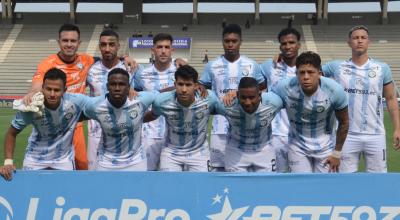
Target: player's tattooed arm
<point>393,108</point>
<point>343,127</point>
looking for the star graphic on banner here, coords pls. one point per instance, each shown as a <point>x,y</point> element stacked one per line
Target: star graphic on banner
<point>216,199</point>
<point>226,190</point>
<point>227,212</point>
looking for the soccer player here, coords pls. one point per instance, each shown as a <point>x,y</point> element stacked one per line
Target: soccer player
<point>186,114</point>
<point>97,82</point>
<point>158,76</point>
<point>366,81</point>
<point>311,102</point>
<point>50,143</point>
<point>76,67</point>
<point>289,40</point>
<point>222,75</point>
<point>121,124</point>
<point>249,146</point>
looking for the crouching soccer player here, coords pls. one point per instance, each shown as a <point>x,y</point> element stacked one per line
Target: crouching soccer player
<point>249,135</point>
<point>311,101</point>
<point>121,122</point>
<point>50,144</point>
<point>186,114</point>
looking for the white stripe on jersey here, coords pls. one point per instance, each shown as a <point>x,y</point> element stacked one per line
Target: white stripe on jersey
<point>273,74</point>
<point>364,88</point>
<point>252,132</point>
<point>223,76</point>
<point>186,126</point>
<point>150,79</point>
<point>311,117</point>
<point>121,129</point>
<point>51,139</point>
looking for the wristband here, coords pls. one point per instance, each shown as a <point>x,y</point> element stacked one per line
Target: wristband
<point>8,162</point>
<point>336,154</point>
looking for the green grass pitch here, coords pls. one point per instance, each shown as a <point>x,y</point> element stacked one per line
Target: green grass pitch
<point>7,114</point>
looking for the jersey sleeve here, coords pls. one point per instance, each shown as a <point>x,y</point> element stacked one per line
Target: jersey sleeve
<point>206,76</point>
<point>266,69</point>
<point>42,68</point>
<point>329,69</point>
<point>258,73</point>
<point>91,103</point>
<point>147,98</point>
<point>273,99</point>
<point>387,74</point>
<point>218,105</point>
<point>340,97</point>
<point>279,90</point>
<point>21,120</point>
<point>137,79</point>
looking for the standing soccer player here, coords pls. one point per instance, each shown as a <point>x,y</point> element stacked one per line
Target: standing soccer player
<point>311,102</point>
<point>249,146</point>
<point>121,121</point>
<point>366,81</point>
<point>158,76</point>
<point>97,82</point>
<point>222,75</point>
<point>289,40</point>
<point>186,114</point>
<point>50,145</point>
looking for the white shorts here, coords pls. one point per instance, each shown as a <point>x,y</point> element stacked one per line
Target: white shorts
<point>217,150</point>
<point>29,165</point>
<point>281,145</point>
<point>372,146</point>
<point>237,160</point>
<point>141,166</point>
<point>308,162</point>
<point>197,162</point>
<point>94,138</point>
<point>153,148</point>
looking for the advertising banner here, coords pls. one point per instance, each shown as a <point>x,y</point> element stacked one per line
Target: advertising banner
<point>147,42</point>
<point>58,195</point>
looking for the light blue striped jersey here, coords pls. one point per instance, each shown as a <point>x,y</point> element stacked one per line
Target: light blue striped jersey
<point>52,133</point>
<point>120,144</point>
<point>150,79</point>
<point>311,117</point>
<point>252,132</point>
<point>97,78</point>
<point>186,126</point>
<point>364,88</point>
<point>273,74</point>
<point>223,76</point>
<point>97,82</point>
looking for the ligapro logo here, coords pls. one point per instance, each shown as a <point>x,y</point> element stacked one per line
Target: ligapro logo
<point>7,206</point>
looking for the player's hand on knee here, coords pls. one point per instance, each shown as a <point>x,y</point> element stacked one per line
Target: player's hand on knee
<point>7,171</point>
<point>333,164</point>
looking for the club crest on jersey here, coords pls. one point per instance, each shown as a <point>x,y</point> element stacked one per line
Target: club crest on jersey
<point>199,115</point>
<point>246,70</point>
<point>79,65</point>
<point>347,71</point>
<point>133,114</point>
<point>371,74</point>
<point>68,116</point>
<point>264,123</point>
<point>320,109</point>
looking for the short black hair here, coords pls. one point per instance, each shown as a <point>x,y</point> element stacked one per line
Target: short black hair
<point>232,29</point>
<point>309,57</point>
<point>55,74</point>
<point>162,36</point>
<point>117,71</point>
<point>69,27</point>
<point>287,31</point>
<point>248,82</point>
<point>187,72</point>
<point>109,33</point>
<point>358,27</point>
